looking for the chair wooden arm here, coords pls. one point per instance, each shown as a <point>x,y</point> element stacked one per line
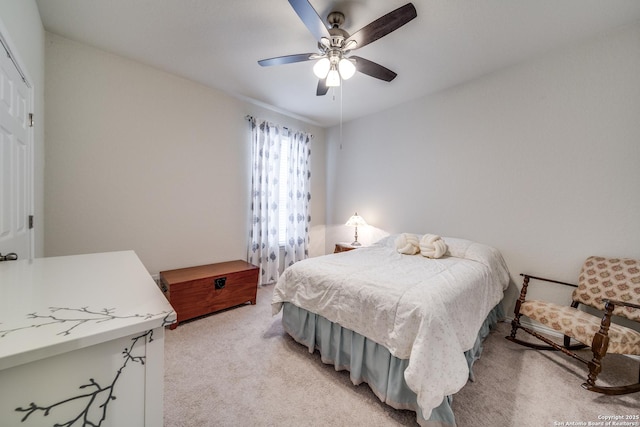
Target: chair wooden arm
<point>548,280</point>
<point>525,285</point>
<point>615,302</point>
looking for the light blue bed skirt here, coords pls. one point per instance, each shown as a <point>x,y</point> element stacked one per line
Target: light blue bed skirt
<point>372,363</point>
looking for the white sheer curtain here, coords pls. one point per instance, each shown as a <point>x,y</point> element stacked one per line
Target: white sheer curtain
<point>268,140</point>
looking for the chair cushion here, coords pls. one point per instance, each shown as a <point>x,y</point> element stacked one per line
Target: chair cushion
<point>612,278</point>
<point>581,326</point>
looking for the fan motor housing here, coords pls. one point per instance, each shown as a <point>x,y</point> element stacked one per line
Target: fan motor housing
<point>335,19</point>
<point>338,35</point>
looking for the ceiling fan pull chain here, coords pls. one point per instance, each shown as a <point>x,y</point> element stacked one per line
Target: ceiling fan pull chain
<point>340,117</point>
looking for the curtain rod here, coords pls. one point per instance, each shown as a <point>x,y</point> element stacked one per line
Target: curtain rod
<point>249,118</point>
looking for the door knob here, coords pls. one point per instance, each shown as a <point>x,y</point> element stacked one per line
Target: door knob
<point>11,256</point>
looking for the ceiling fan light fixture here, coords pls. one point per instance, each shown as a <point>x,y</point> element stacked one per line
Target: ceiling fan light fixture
<point>321,68</point>
<point>333,78</point>
<point>347,68</point>
<point>325,42</point>
<point>350,45</point>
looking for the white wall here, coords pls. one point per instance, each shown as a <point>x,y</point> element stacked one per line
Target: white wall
<point>541,160</point>
<point>141,159</point>
<point>21,20</point>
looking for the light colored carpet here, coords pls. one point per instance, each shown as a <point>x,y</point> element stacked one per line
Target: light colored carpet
<point>239,368</point>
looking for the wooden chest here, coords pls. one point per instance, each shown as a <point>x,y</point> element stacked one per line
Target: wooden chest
<point>196,291</point>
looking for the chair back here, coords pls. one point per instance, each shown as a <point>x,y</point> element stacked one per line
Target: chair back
<point>610,278</point>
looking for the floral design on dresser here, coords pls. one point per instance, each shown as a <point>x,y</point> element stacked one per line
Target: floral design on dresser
<point>72,318</point>
<point>94,398</point>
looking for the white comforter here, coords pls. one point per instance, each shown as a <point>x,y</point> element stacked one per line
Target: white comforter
<point>426,310</point>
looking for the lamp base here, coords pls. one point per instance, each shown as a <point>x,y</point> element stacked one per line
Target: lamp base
<point>356,243</point>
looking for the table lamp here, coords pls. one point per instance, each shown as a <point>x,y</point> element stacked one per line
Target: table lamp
<point>355,221</point>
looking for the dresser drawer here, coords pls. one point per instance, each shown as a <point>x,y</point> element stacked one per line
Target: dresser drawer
<point>197,291</point>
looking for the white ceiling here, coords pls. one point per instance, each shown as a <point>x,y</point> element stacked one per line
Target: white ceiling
<point>218,43</point>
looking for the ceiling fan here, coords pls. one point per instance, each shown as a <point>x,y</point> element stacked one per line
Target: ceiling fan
<point>335,44</point>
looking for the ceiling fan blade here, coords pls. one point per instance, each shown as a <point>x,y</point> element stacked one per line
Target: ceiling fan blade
<point>288,59</point>
<point>374,70</point>
<point>322,87</point>
<point>310,18</point>
<point>384,25</point>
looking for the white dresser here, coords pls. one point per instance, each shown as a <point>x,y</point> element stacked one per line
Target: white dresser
<point>81,342</point>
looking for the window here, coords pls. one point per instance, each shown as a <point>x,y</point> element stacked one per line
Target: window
<point>271,211</point>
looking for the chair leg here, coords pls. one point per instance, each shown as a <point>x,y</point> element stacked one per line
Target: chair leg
<point>595,367</point>
<point>567,344</point>
<point>599,348</point>
<point>515,323</point>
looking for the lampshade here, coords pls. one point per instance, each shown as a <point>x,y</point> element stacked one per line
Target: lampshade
<point>334,68</point>
<point>346,68</point>
<point>356,220</point>
<point>321,68</point>
<point>333,78</point>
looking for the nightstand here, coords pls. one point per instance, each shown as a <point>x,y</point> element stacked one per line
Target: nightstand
<point>344,247</point>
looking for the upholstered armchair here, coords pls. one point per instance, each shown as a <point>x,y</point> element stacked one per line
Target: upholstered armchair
<point>610,287</point>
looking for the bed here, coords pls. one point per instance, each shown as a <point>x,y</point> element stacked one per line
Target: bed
<point>407,325</point>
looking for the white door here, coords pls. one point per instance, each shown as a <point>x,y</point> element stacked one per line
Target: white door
<point>15,160</point>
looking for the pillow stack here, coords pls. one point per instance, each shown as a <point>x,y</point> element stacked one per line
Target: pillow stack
<point>430,245</point>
